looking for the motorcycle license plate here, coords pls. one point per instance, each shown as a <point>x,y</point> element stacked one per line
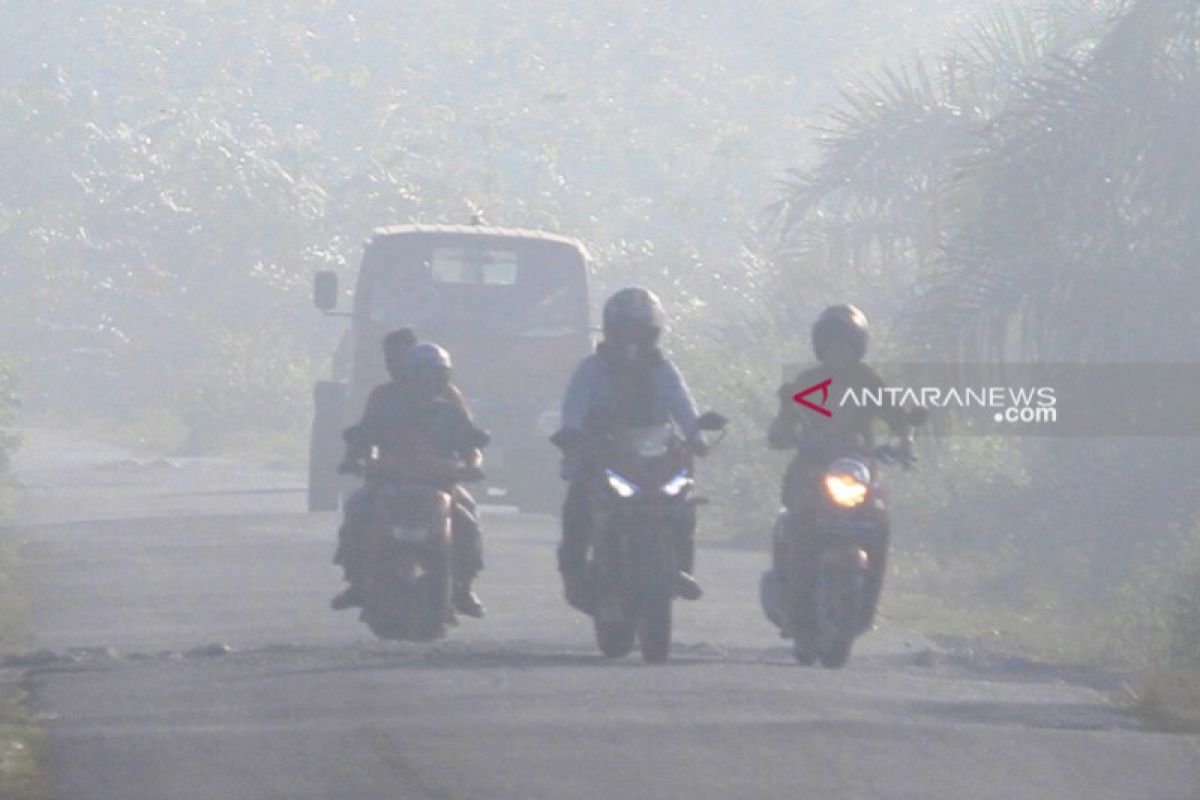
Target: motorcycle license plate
<point>408,535</point>
<point>846,528</point>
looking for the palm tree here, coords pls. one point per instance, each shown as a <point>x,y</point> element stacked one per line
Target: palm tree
<point>888,194</point>
<point>1082,238</point>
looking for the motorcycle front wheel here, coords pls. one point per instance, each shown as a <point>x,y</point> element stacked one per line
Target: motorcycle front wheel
<point>837,653</point>
<point>804,634</point>
<point>615,637</point>
<point>655,633</point>
<point>838,598</point>
<point>657,594</point>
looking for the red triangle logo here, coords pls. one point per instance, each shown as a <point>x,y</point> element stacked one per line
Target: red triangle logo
<point>823,388</point>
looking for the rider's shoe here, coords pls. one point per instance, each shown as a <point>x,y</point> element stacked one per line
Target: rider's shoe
<point>468,603</point>
<point>349,597</point>
<point>686,587</point>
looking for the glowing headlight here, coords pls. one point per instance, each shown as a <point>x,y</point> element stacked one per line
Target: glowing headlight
<point>622,487</point>
<point>673,487</point>
<point>846,482</point>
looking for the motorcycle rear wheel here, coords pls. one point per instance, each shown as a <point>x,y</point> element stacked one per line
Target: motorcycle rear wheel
<point>433,595</point>
<point>615,637</point>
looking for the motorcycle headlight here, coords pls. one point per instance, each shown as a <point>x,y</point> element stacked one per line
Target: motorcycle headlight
<point>620,485</point>
<point>846,482</point>
<point>673,487</point>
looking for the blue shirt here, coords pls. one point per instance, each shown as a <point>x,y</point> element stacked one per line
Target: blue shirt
<point>592,388</point>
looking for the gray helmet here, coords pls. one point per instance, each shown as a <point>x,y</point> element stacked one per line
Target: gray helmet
<point>845,322</point>
<point>426,357</point>
<point>634,313</point>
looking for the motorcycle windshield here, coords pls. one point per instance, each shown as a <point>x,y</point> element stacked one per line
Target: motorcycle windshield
<point>648,442</point>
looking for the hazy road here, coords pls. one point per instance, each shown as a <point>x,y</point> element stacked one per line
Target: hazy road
<point>134,564</point>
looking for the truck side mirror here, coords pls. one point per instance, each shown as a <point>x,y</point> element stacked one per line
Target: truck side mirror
<point>325,290</point>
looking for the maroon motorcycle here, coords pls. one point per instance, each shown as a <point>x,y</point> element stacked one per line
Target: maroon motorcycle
<point>821,595</point>
<point>407,552</point>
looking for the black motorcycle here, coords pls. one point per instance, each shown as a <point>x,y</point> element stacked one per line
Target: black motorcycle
<point>641,498</point>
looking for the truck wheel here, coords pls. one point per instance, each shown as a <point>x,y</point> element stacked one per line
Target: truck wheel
<point>324,483</point>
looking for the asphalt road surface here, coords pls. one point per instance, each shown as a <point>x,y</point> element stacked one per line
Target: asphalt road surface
<point>140,568</point>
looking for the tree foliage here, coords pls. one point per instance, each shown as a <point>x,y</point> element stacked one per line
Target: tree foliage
<point>176,172</point>
<point>9,407</point>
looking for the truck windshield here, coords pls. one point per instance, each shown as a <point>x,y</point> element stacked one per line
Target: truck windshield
<point>469,265</point>
<point>478,288</point>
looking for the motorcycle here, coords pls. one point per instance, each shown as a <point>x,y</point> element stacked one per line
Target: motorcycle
<point>821,595</point>
<point>641,497</point>
<point>407,552</point>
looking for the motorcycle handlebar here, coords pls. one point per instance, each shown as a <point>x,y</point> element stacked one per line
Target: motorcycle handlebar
<point>824,448</point>
<point>568,439</point>
<point>428,467</point>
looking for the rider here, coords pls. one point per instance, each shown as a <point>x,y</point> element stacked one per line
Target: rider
<point>839,339</point>
<point>626,382</point>
<point>419,401</point>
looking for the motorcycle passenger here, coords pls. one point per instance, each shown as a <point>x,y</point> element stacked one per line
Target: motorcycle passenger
<point>839,340</point>
<point>419,405</point>
<point>626,383</point>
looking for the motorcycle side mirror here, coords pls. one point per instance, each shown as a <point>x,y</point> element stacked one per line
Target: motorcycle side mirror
<point>325,290</point>
<point>711,421</point>
<point>918,416</point>
<point>566,438</point>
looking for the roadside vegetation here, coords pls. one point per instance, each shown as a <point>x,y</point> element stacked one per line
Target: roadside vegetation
<point>21,742</point>
<point>9,438</point>
<point>987,180</point>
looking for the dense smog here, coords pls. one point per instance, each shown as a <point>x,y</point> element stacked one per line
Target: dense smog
<point>794,399</point>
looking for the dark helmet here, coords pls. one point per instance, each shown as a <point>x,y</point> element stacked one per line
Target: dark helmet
<point>399,341</point>
<point>428,366</point>
<point>395,347</point>
<point>634,314</point>
<point>845,322</point>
